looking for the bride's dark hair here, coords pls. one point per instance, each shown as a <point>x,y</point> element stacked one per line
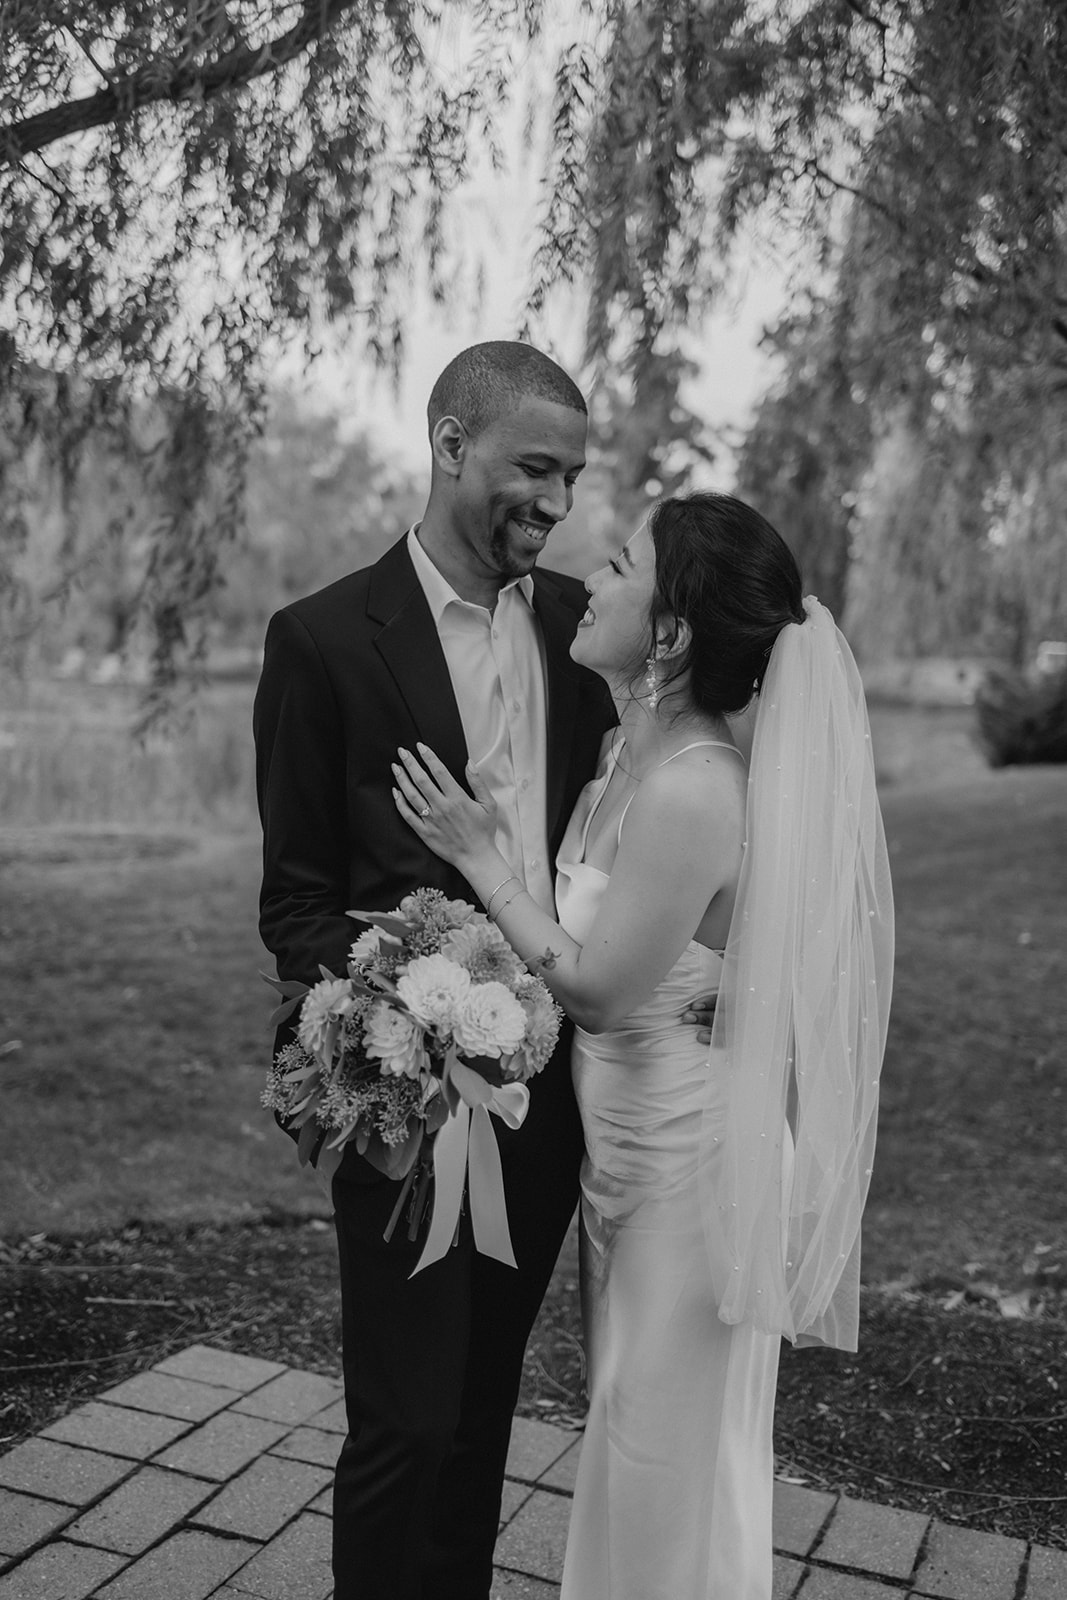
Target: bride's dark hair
<point>725,571</point>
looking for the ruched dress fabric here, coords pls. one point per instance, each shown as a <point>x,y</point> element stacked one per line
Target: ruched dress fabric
<point>673,1496</point>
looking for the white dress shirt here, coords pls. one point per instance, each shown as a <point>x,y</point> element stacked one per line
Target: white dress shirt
<point>496,663</point>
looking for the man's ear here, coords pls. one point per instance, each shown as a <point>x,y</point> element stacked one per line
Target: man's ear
<point>448,444</point>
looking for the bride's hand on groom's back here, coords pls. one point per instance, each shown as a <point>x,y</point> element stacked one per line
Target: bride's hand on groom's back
<point>701,1012</point>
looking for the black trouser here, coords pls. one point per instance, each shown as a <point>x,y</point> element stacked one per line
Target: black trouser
<point>432,1366</point>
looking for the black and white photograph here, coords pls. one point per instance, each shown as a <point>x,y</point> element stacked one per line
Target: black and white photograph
<point>533,800</point>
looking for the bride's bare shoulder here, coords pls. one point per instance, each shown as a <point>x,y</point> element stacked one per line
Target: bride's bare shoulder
<point>702,787</point>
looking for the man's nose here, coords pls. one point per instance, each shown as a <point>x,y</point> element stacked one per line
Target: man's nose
<point>555,499</point>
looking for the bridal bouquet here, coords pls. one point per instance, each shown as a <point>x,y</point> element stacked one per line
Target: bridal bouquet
<point>436,1025</point>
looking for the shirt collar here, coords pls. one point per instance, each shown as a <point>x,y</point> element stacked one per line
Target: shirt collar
<point>440,593</point>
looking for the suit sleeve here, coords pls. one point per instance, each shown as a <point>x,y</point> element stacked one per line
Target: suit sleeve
<point>301,787</point>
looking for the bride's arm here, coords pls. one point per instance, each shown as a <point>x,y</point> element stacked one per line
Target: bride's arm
<point>680,847</point>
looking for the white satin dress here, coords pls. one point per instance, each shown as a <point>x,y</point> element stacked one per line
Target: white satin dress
<point>673,1497</point>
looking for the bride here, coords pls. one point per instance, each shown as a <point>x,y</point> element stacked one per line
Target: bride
<point>721,1190</point>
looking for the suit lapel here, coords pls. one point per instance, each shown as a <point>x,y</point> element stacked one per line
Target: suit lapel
<point>557,627</point>
<point>411,649</point>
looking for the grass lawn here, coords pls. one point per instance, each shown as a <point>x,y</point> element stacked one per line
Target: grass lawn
<point>134,1033</point>
<point>147,1200</point>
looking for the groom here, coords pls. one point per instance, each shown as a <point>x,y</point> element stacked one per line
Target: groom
<point>456,639</point>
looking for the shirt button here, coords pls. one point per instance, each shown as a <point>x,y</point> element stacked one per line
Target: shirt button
<point>533,864</point>
<point>495,634</point>
<point>524,785</point>
<point>516,705</point>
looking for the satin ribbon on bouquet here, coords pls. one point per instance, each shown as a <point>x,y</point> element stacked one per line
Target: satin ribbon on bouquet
<point>465,1153</point>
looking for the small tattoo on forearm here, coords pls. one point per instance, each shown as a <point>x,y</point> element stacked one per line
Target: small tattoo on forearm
<point>546,962</point>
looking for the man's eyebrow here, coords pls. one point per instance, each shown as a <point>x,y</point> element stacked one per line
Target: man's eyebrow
<point>545,458</point>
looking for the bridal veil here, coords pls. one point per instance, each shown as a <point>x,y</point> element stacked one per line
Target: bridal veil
<point>800,1022</point>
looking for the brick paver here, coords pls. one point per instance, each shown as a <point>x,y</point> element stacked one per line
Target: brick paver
<point>786,1578</point>
<point>535,1446</point>
<point>964,1564</point>
<point>824,1584</point>
<point>224,1444</point>
<point>222,1367</point>
<point>800,1515</point>
<point>1046,1577</point>
<point>140,1511</point>
<point>60,1572</point>
<point>188,1566</point>
<point>873,1538</point>
<point>292,1398</point>
<point>517,1586</point>
<point>171,1397</point>
<point>333,1419</point>
<point>563,1472</point>
<point>534,1540</point>
<point>117,1430</point>
<point>323,1502</point>
<point>25,1521</point>
<point>57,1471</point>
<point>109,1504</point>
<point>296,1563</point>
<point>514,1496</point>
<point>263,1498</point>
<point>309,1444</point>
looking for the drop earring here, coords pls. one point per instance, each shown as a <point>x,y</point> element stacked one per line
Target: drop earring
<point>650,682</point>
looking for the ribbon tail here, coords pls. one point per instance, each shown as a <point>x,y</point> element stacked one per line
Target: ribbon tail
<point>489,1216</point>
<point>449,1176</point>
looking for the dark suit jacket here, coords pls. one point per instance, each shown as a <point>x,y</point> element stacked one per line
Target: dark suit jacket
<point>349,674</point>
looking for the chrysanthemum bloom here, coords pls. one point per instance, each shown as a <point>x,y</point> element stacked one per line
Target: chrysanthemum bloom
<point>432,988</point>
<point>365,948</point>
<point>542,1028</point>
<point>320,1014</point>
<point>395,1039</point>
<point>456,912</point>
<point>483,950</point>
<point>489,1022</point>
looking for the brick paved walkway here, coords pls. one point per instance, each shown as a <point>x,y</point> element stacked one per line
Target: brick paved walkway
<point>209,1476</point>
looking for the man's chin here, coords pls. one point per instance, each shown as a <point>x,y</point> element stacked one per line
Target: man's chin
<point>516,552</point>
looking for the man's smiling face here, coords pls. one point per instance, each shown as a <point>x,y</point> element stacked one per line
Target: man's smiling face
<point>515,483</point>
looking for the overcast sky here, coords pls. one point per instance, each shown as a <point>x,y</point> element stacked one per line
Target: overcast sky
<point>734,371</point>
<point>493,219</point>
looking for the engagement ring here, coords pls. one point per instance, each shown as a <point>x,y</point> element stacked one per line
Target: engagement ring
<point>425,812</point>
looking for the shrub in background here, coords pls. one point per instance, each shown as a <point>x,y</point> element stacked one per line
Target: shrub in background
<point>1022,717</point>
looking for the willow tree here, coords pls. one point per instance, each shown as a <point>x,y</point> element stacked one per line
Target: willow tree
<point>915,152</point>
<point>925,388</point>
<point>185,185</point>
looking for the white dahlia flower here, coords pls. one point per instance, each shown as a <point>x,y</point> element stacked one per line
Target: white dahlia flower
<point>490,1021</point>
<point>394,1039</point>
<point>320,1014</point>
<point>432,988</point>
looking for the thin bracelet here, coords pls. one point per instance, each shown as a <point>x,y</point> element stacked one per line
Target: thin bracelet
<point>511,878</point>
<point>520,890</point>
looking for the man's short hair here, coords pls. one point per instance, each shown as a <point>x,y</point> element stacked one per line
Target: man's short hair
<point>488,379</point>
